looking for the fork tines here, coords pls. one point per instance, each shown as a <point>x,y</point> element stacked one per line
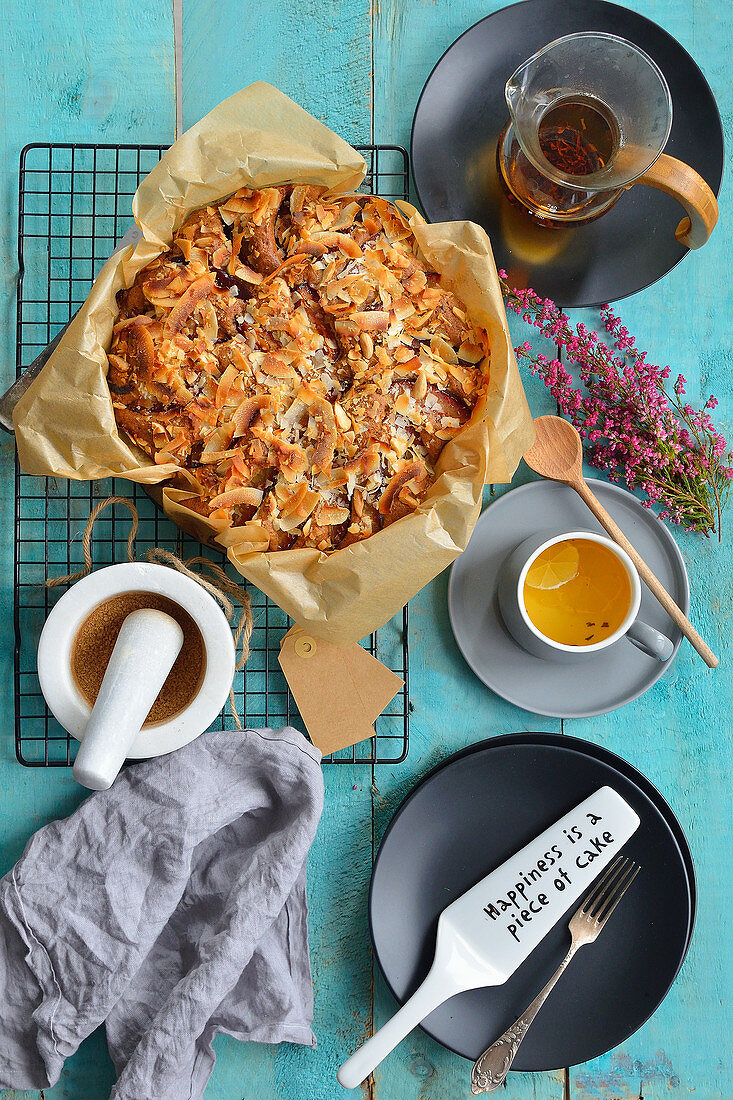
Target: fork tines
<point>607,892</point>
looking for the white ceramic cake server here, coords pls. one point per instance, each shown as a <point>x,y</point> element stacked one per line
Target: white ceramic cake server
<point>490,930</point>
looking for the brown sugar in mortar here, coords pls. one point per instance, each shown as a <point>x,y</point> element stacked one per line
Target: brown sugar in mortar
<point>95,639</point>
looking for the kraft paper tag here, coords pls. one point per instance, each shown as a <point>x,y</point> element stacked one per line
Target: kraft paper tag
<point>339,690</point>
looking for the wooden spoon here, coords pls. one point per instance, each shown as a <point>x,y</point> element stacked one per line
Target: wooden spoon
<point>557,453</point>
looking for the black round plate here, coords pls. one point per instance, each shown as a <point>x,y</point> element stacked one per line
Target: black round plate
<point>469,815</point>
<point>462,110</point>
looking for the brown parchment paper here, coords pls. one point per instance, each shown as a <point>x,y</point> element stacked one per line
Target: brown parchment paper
<point>65,424</point>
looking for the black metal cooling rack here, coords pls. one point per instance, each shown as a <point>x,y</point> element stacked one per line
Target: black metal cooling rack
<point>74,205</point>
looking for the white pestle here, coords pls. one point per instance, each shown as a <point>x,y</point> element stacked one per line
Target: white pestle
<point>144,653</point>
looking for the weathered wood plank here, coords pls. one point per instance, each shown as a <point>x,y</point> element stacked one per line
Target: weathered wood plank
<point>417,38</point>
<point>320,55</point>
<point>679,734</point>
<point>452,708</point>
<point>318,52</point>
<point>73,72</point>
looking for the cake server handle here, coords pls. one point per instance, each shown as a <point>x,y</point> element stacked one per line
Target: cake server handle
<point>438,986</point>
<point>11,397</point>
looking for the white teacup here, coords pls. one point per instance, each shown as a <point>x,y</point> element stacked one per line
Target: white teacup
<point>514,613</point>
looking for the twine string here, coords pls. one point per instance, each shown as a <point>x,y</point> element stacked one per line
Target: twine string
<point>220,588</point>
<point>212,578</point>
<point>86,542</point>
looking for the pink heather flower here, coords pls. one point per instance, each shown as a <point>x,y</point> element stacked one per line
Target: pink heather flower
<point>633,428</point>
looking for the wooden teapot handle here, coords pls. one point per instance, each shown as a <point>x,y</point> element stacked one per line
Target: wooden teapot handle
<point>687,186</point>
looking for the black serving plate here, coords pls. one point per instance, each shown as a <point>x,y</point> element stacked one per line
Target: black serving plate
<point>469,815</point>
<point>462,110</point>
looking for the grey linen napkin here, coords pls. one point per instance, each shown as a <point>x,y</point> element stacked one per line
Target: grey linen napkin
<point>172,906</point>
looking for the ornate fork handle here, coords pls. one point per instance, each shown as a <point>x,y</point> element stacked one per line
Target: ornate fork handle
<point>492,1067</point>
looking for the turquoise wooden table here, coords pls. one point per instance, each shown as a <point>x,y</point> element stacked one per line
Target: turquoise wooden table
<point>90,70</point>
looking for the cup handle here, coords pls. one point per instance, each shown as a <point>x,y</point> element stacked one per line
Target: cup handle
<point>650,641</point>
<point>683,183</point>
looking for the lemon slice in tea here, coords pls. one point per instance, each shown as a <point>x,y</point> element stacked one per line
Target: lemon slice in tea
<point>554,567</point>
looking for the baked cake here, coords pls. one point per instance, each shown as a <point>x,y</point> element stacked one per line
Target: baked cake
<point>299,360</point>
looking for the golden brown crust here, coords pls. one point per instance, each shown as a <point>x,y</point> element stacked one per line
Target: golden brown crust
<point>298,357</point>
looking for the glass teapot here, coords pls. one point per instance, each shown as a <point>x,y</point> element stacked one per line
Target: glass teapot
<point>590,114</point>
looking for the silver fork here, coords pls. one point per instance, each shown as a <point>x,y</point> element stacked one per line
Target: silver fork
<point>585,926</point>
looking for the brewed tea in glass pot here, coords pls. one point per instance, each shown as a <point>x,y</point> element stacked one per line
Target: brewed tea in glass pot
<point>590,114</point>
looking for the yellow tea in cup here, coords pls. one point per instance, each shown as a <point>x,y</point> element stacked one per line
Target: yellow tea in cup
<point>577,592</point>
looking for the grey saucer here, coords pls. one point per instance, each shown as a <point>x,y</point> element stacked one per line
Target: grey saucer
<point>592,685</point>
